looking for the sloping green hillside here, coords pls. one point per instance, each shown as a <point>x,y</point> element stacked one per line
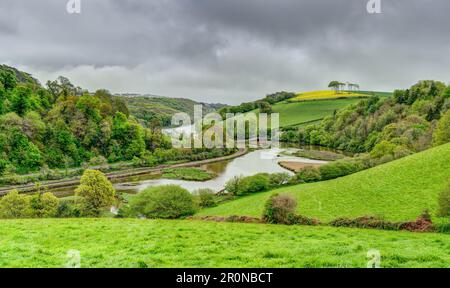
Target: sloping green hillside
<point>399,190</point>
<point>297,113</point>
<point>146,243</point>
<point>148,108</point>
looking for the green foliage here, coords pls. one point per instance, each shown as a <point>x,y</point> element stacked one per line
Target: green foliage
<point>444,203</point>
<point>309,174</point>
<point>44,205</point>
<point>338,169</point>
<point>279,209</point>
<point>253,184</point>
<point>69,208</point>
<point>21,103</point>
<point>189,174</point>
<point>3,165</point>
<point>263,104</point>
<point>442,133</point>
<point>278,179</point>
<point>63,126</point>
<point>15,205</point>
<point>207,198</point>
<point>232,185</point>
<point>96,191</point>
<point>7,78</point>
<point>382,149</point>
<point>167,202</point>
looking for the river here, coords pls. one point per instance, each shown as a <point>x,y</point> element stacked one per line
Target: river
<point>258,161</point>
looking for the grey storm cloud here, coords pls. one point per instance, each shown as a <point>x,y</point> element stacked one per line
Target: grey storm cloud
<point>227,51</point>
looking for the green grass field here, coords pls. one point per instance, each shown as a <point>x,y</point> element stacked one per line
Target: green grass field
<point>399,190</point>
<point>137,243</point>
<point>297,113</point>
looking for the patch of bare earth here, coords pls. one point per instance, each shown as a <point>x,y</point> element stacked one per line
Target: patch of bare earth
<point>297,166</point>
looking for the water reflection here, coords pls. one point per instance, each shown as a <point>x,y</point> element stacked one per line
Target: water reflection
<point>260,161</point>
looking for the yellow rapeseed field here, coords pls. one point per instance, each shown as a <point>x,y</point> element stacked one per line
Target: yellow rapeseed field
<point>327,94</point>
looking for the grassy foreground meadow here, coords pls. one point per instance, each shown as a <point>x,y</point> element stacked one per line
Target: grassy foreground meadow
<point>399,190</point>
<point>184,243</point>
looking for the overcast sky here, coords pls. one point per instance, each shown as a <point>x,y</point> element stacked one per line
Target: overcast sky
<point>227,51</point>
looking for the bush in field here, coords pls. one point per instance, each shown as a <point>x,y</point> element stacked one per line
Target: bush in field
<point>444,203</point>
<point>44,205</point>
<point>252,184</point>
<point>166,202</point>
<point>232,185</point>
<point>278,179</point>
<point>96,191</point>
<point>279,209</point>
<point>207,198</point>
<point>15,205</point>
<point>67,209</point>
<point>309,174</point>
<point>338,169</point>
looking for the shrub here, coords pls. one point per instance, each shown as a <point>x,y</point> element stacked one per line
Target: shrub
<point>302,220</point>
<point>382,149</point>
<point>365,222</point>
<point>279,209</point>
<point>442,226</point>
<point>338,169</point>
<point>96,191</point>
<point>44,205</point>
<point>207,198</point>
<point>68,209</point>
<point>98,161</point>
<point>444,203</point>
<point>166,202</point>
<point>14,205</point>
<point>422,224</point>
<point>232,185</point>
<point>309,174</point>
<point>252,184</point>
<point>278,179</point>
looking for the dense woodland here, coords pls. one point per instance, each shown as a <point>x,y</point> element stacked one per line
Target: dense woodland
<point>412,120</point>
<point>60,126</point>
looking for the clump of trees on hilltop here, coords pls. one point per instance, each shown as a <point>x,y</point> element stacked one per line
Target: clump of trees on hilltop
<point>338,87</point>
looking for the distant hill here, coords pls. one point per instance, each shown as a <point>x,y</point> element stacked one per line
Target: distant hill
<point>22,77</point>
<point>148,108</point>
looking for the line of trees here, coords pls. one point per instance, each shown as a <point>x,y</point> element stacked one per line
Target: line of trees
<point>339,87</point>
